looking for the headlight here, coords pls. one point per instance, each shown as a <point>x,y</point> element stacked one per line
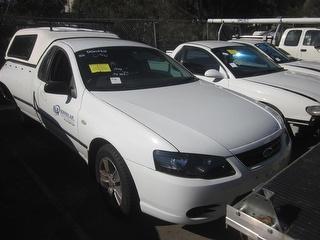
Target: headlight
<point>192,165</point>
<point>313,110</point>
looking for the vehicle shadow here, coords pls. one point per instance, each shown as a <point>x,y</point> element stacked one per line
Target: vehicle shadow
<point>304,139</point>
<point>214,230</point>
<point>48,193</point>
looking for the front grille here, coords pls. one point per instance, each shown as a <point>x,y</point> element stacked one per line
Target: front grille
<point>260,154</point>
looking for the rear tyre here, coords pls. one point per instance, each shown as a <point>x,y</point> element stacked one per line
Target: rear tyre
<point>115,181</point>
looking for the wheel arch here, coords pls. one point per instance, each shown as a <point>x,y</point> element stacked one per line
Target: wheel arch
<point>5,92</point>
<point>6,96</point>
<point>94,146</point>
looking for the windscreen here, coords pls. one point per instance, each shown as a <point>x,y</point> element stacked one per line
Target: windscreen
<point>245,61</point>
<point>127,68</point>
<point>274,53</point>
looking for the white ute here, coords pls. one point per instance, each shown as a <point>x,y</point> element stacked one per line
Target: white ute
<point>246,70</point>
<point>156,138</point>
<point>302,43</point>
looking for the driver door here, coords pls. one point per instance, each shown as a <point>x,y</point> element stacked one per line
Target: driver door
<point>56,99</point>
<point>310,40</point>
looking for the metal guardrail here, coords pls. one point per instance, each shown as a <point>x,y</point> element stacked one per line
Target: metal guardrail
<point>274,21</point>
<point>266,20</point>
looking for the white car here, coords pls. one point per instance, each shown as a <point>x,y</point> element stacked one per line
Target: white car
<point>156,138</point>
<point>246,70</point>
<point>284,60</point>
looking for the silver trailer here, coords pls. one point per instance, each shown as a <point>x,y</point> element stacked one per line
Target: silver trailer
<point>286,207</point>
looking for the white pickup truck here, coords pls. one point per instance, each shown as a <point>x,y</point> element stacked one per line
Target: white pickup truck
<point>155,137</point>
<point>303,43</point>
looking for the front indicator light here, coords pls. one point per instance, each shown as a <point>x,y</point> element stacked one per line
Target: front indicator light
<point>313,111</point>
<point>191,165</point>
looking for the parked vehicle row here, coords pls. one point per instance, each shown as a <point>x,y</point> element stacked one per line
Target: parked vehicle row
<point>300,42</point>
<point>246,70</point>
<point>157,138</point>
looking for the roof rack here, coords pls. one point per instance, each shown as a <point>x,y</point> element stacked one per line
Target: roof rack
<point>65,22</point>
<point>278,21</point>
<point>100,24</point>
<point>267,38</point>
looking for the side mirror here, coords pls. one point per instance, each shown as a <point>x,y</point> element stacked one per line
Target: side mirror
<point>212,73</point>
<point>317,46</point>
<point>57,88</point>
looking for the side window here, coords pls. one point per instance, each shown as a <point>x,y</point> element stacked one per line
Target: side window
<point>293,38</point>
<point>22,46</point>
<point>164,68</point>
<point>60,69</point>
<point>44,67</point>
<point>180,54</point>
<point>312,38</point>
<point>198,61</point>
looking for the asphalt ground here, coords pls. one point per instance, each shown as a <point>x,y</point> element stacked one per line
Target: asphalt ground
<point>46,192</point>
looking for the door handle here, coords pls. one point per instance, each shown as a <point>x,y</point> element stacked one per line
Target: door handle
<point>303,50</point>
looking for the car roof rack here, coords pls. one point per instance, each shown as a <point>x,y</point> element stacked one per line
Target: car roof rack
<point>76,23</point>
<point>89,23</point>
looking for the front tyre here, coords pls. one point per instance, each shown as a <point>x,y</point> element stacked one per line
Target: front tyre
<point>115,180</point>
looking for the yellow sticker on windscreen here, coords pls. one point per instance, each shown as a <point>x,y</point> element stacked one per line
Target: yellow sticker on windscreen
<point>232,51</point>
<point>99,67</point>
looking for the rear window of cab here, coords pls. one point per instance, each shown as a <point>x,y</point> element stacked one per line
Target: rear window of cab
<point>22,46</point>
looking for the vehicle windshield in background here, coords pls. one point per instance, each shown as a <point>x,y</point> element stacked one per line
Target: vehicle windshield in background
<point>245,61</point>
<point>127,68</point>
<point>274,53</point>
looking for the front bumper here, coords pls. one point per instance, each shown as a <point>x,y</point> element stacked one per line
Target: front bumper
<point>174,199</point>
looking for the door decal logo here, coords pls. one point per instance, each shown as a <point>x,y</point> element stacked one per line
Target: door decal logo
<point>65,115</point>
<point>56,109</point>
